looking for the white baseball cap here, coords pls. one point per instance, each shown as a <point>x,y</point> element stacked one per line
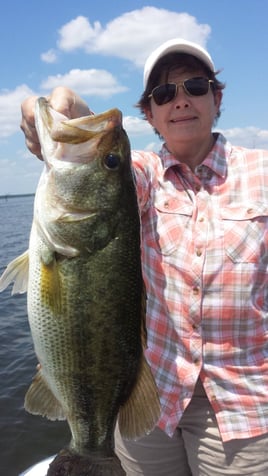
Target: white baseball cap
<point>177,45</point>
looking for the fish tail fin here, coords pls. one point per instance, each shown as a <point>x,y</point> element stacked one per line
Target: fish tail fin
<point>140,413</point>
<point>69,463</point>
<point>17,271</point>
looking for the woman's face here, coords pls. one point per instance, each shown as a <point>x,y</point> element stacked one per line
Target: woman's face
<point>185,119</point>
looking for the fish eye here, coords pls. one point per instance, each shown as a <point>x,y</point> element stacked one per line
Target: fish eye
<point>111,161</point>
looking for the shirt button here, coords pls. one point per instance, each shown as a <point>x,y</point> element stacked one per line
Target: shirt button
<point>195,290</point>
<point>196,361</point>
<point>166,204</point>
<point>195,327</point>
<point>198,252</point>
<point>201,219</point>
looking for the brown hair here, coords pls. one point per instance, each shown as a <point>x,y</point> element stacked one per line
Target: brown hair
<point>167,64</point>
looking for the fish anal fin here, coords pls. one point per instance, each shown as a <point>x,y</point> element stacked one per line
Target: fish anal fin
<point>17,271</point>
<point>140,413</point>
<point>39,400</point>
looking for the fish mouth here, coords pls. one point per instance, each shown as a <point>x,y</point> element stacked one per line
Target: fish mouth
<point>78,130</point>
<point>67,142</point>
<point>102,122</point>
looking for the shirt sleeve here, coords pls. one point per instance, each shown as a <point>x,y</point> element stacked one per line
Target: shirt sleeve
<point>144,166</point>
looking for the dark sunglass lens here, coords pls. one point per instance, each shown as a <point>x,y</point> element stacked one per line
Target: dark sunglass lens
<point>164,93</point>
<point>197,86</point>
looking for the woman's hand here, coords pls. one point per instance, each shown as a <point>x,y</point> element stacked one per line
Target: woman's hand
<point>63,100</point>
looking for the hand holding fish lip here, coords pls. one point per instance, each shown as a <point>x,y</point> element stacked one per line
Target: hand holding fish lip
<point>61,99</point>
<point>67,102</point>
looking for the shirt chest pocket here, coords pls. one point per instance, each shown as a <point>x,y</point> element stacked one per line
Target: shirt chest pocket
<point>167,226</point>
<point>245,230</point>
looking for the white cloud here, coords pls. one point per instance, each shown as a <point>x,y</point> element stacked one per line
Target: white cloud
<point>10,109</point>
<point>133,35</point>
<point>136,126</point>
<point>89,82</point>
<point>49,56</point>
<point>78,33</point>
<point>251,137</point>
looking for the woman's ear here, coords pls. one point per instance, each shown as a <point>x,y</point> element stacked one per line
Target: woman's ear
<point>218,99</point>
<point>148,115</point>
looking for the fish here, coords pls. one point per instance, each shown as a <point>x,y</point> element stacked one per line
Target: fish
<point>86,299</point>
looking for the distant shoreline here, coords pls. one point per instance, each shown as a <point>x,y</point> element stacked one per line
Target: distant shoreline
<point>9,195</point>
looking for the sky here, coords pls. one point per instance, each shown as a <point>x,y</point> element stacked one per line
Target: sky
<point>98,49</point>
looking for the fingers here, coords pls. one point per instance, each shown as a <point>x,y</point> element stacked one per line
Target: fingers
<point>64,100</point>
<point>28,126</point>
<point>61,99</point>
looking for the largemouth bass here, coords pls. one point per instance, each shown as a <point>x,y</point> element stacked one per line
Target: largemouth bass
<point>86,298</point>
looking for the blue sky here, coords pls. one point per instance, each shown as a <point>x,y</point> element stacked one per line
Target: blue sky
<point>99,48</point>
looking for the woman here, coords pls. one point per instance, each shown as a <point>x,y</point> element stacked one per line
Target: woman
<point>204,213</point>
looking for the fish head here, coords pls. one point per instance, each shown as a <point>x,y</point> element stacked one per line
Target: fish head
<point>89,157</point>
<point>88,174</point>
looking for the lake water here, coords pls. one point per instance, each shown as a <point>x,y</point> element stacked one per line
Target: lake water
<point>24,439</point>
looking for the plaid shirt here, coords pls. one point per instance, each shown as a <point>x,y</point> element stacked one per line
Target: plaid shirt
<point>205,257</point>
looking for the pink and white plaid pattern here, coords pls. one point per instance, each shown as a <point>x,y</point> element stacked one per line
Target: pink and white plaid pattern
<point>205,257</point>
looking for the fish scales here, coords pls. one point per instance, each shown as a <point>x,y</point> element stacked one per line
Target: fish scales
<point>86,298</point>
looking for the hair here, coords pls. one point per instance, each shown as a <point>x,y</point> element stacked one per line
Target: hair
<point>169,63</point>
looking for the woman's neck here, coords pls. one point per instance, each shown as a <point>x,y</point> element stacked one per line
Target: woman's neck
<point>192,154</point>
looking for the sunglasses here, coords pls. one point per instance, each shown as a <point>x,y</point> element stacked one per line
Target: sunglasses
<point>193,87</point>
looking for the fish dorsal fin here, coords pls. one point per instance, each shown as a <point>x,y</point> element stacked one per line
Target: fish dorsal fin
<point>40,400</point>
<point>140,413</point>
<point>17,271</point>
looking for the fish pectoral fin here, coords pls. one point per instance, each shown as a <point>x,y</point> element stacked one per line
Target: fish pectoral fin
<point>17,271</point>
<point>140,413</point>
<point>39,400</point>
<point>51,283</point>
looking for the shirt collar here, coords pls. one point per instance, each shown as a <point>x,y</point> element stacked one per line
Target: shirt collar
<point>216,160</point>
